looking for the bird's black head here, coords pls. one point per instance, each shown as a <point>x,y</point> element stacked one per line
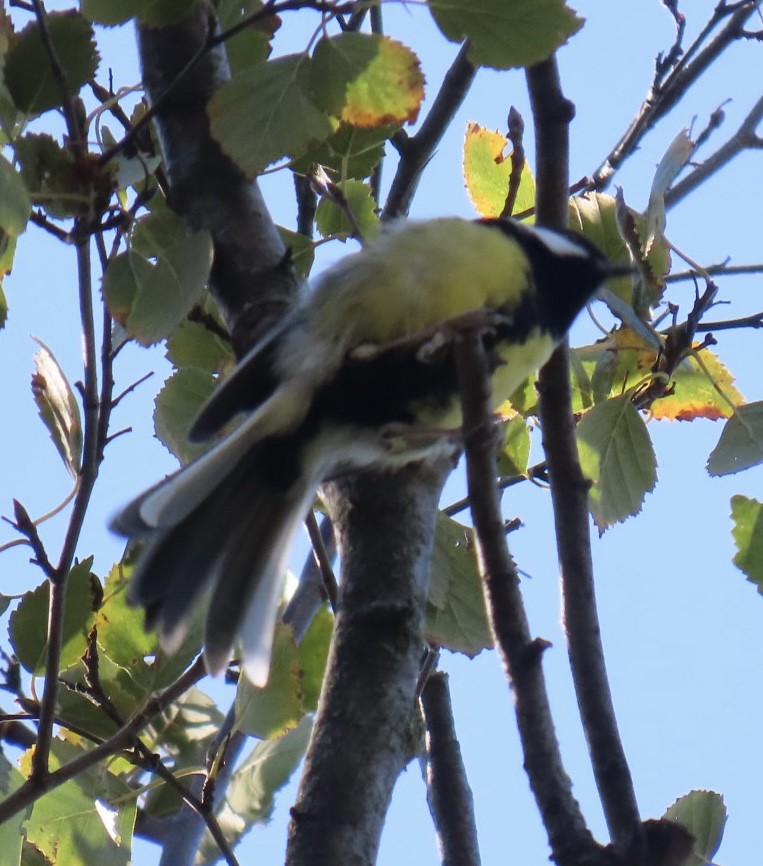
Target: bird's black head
<point>567,269</point>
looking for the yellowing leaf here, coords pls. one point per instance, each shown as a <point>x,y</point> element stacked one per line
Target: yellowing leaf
<point>487,170</point>
<point>367,80</point>
<point>695,395</point>
<point>624,360</point>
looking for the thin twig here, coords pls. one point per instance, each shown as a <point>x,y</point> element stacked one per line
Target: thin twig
<point>34,787</point>
<point>665,63</point>
<point>665,94</point>
<point>322,559</point>
<point>28,528</point>
<point>310,595</point>
<point>76,138</point>
<point>536,473</point>
<point>722,270</point>
<point>745,138</point>
<point>755,321</point>
<point>516,129</point>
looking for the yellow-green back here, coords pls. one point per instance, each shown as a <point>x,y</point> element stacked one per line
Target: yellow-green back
<point>416,275</point>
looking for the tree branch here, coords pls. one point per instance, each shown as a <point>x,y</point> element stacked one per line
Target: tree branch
<point>416,151</point>
<point>569,491</point>
<point>365,730</point>
<point>448,792</point>
<point>571,841</point>
<point>251,277</point>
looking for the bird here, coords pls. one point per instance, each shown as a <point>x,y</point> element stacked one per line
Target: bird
<point>359,374</point>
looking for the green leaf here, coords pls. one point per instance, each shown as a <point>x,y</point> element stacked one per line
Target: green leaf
<point>741,442</point>
<point>332,221</point>
<point>301,248</point>
<point>12,829</point>
<point>28,624</point>
<point>313,655</point>
<point>703,814</point>
<point>48,172</point>
<point>189,726</point>
<point>594,216</point>
<point>350,152</point>
<point>515,450</point>
<point>176,408</point>
<point>487,170</point>
<point>151,300</point>
<point>121,636</point>
<point>251,46</point>
<point>64,188</point>
<point>7,252</point>
<point>505,35</point>
<point>267,112</point>
<point>616,454</point>
<point>250,795</point>
<point>294,684</point>
<point>277,707</point>
<point>93,813</point>
<point>15,204</point>
<point>456,616</point>
<point>747,515</point>
<point>58,408</point>
<point>28,72</point>
<point>367,80</point>
<point>193,344</point>
<point>154,13</point>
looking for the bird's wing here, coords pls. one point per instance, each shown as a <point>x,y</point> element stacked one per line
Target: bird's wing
<point>170,501</point>
<point>252,382</point>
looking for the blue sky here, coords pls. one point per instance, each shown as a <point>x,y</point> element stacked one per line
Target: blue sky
<point>681,626</point>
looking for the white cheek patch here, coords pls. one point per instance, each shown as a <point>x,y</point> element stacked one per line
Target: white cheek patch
<point>558,244</point>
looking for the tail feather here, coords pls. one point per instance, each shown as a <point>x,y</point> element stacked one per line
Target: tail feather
<point>246,595</point>
<point>172,500</point>
<point>229,544</point>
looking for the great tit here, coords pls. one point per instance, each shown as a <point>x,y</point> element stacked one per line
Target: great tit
<point>360,374</point>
